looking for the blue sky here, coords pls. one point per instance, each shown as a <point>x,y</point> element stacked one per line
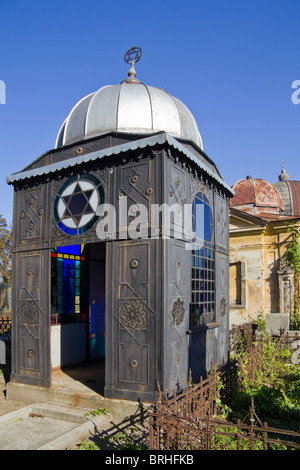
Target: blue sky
<point>231,62</point>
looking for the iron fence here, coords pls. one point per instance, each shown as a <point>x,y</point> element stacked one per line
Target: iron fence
<point>5,326</point>
<point>191,421</point>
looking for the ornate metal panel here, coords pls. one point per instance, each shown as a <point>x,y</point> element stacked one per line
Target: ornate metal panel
<point>29,216</point>
<point>131,320</point>
<point>176,195</point>
<point>135,183</point>
<point>222,277</point>
<point>221,222</point>
<point>31,334</point>
<point>222,307</point>
<point>176,321</point>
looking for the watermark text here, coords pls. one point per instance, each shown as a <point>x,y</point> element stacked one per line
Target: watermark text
<point>2,92</point>
<point>159,220</point>
<point>296,94</point>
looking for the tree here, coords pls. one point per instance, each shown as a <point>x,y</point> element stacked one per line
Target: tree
<point>293,255</point>
<point>5,251</point>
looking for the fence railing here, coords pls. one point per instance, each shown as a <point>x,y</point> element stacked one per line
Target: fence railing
<point>5,326</point>
<point>190,421</point>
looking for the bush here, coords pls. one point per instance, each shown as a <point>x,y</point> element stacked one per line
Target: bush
<point>263,370</point>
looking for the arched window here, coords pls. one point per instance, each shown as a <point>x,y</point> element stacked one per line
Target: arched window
<point>203,265</point>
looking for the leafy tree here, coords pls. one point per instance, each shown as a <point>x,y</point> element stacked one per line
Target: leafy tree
<point>5,251</point>
<point>293,255</point>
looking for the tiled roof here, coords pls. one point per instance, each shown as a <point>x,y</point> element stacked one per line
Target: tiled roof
<point>256,192</point>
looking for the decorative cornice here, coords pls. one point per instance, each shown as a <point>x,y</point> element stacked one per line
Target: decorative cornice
<point>155,140</point>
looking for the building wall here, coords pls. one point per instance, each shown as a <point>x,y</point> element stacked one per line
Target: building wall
<point>246,250</point>
<point>261,256</point>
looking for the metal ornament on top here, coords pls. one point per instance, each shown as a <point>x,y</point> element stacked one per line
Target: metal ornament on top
<point>132,56</point>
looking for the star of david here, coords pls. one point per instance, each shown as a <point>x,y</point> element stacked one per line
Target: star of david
<point>77,204</point>
<point>133,55</point>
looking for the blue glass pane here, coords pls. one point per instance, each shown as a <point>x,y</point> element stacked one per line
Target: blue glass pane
<point>71,249</point>
<point>67,290</point>
<point>201,219</point>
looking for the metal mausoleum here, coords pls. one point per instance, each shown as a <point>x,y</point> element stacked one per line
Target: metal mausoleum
<point>96,271</point>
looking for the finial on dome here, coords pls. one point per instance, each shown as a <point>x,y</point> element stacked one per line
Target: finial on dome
<point>283,175</point>
<point>132,56</point>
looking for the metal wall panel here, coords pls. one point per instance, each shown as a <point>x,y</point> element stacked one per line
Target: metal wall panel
<point>132,321</point>
<point>222,308</point>
<point>176,314</point>
<point>31,317</point>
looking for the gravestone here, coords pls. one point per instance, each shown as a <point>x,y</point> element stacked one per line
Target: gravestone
<point>2,353</point>
<point>277,322</point>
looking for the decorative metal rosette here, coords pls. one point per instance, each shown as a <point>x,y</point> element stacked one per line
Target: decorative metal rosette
<point>133,314</point>
<point>178,312</point>
<point>30,313</point>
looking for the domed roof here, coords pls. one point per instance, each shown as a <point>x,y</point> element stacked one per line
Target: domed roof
<point>290,194</point>
<point>130,107</point>
<point>256,196</point>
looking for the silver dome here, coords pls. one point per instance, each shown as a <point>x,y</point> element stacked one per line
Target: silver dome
<point>130,107</point>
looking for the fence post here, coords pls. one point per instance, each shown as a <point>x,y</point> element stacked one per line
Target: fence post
<point>151,424</point>
<point>238,435</point>
<point>207,432</point>
<point>265,436</point>
<point>252,421</point>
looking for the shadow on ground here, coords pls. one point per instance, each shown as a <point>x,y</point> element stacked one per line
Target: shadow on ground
<point>130,434</point>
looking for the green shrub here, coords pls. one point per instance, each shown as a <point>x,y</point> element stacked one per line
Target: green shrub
<point>262,370</point>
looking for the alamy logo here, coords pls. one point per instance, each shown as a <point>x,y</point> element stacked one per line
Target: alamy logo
<point>296,94</point>
<point>162,220</point>
<point>2,92</point>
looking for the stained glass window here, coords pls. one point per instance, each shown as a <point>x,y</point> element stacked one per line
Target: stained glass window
<point>68,284</point>
<point>202,309</point>
<point>76,204</point>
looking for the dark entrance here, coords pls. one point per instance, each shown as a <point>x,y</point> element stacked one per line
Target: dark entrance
<point>78,306</point>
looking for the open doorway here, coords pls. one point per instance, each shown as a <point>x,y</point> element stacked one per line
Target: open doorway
<point>78,312</point>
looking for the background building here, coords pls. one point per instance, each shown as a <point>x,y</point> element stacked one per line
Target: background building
<point>261,277</point>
